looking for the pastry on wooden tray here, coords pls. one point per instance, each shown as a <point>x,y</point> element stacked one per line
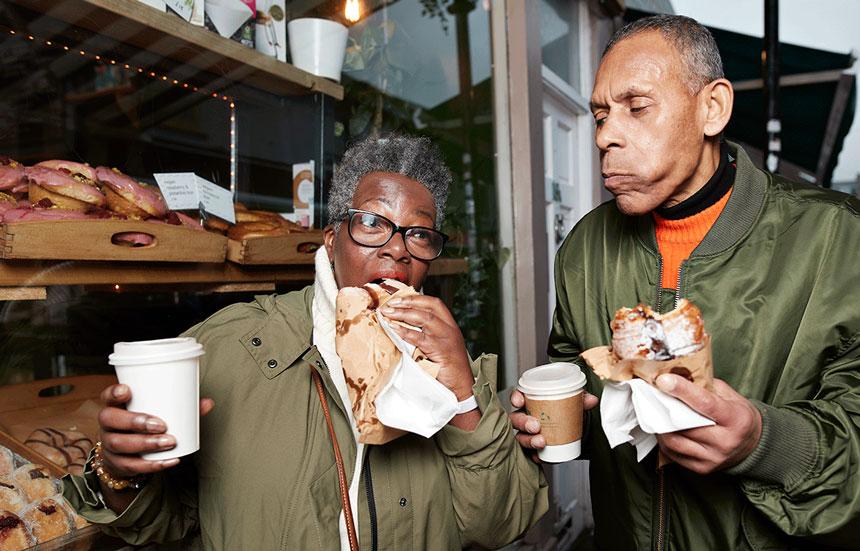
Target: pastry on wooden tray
<point>34,482</point>
<point>47,519</point>
<point>14,534</point>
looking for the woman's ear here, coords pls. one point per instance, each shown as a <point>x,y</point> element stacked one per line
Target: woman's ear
<point>718,97</point>
<point>329,236</point>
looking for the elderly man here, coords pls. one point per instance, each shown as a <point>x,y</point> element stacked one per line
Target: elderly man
<point>772,265</point>
<point>266,475</point>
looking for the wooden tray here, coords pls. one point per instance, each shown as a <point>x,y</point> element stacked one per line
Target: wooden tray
<point>294,248</point>
<point>23,409</point>
<point>91,240</point>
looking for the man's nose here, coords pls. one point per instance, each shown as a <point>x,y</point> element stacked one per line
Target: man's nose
<point>395,248</point>
<point>609,134</point>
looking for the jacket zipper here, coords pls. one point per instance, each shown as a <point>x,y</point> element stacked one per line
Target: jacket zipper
<point>659,542</point>
<point>371,502</point>
<point>680,283</point>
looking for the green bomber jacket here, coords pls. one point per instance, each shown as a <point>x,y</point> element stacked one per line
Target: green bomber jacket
<point>265,475</point>
<point>777,279</point>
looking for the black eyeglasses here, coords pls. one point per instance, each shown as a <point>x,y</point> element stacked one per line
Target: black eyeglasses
<point>374,230</point>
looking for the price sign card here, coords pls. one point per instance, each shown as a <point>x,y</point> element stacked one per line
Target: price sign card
<point>186,191</point>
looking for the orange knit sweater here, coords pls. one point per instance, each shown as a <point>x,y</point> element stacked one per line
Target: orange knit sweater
<point>676,239</point>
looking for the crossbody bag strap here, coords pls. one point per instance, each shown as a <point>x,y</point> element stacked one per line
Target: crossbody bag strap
<point>341,472</point>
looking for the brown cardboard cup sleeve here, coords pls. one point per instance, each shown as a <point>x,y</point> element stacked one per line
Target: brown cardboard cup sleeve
<point>554,395</point>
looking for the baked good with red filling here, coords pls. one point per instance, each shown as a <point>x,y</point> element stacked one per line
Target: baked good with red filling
<point>61,189</point>
<point>127,196</point>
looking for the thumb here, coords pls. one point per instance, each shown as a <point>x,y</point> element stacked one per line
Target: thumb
<point>694,396</point>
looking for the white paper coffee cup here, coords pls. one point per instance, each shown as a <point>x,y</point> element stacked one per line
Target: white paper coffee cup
<point>554,396</point>
<point>163,376</point>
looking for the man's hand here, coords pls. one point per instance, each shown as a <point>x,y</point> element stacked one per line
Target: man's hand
<point>704,450</point>
<point>529,435</point>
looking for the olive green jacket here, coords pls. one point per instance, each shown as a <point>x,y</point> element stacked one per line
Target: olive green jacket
<point>777,280</point>
<point>265,475</point>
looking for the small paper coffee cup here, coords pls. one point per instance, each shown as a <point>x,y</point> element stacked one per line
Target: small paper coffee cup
<point>163,376</point>
<point>554,394</point>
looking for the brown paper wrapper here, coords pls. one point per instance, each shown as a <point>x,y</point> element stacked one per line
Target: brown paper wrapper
<point>368,357</point>
<point>560,420</point>
<point>697,367</point>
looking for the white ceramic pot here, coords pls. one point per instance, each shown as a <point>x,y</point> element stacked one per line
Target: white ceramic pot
<point>318,46</point>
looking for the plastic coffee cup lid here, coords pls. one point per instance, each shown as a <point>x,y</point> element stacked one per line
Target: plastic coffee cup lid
<point>550,379</point>
<point>160,350</point>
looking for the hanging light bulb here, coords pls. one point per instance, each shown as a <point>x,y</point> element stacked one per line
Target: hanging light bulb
<point>352,11</point>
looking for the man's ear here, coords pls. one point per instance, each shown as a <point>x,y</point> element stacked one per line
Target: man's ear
<point>718,97</point>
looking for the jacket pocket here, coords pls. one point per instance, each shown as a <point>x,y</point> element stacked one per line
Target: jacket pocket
<point>326,506</point>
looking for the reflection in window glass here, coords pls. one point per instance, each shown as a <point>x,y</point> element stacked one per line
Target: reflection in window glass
<point>559,33</point>
<point>423,67</point>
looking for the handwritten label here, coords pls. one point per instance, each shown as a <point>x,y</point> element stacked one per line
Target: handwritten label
<point>186,191</point>
<point>183,7</point>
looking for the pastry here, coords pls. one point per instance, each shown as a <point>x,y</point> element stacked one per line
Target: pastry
<point>646,344</point>
<point>68,449</point>
<point>7,462</point>
<point>12,177</point>
<point>34,482</point>
<point>644,334</point>
<point>129,197</point>
<point>14,534</point>
<point>47,520</point>
<point>53,188</point>
<point>10,498</point>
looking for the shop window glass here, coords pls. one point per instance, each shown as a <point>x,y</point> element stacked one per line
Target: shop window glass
<point>560,39</point>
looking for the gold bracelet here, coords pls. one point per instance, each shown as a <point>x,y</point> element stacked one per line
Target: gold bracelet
<point>116,484</point>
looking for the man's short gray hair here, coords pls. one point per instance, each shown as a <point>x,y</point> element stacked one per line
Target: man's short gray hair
<point>694,43</point>
<point>415,157</point>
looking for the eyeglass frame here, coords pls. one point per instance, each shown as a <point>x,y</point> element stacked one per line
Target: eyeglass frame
<point>395,229</point>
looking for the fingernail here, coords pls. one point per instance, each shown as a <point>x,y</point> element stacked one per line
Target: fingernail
<point>120,391</point>
<point>170,462</point>
<point>533,426</point>
<point>154,425</point>
<point>666,383</point>
<point>538,442</point>
<point>166,442</point>
<point>386,310</point>
<point>394,301</point>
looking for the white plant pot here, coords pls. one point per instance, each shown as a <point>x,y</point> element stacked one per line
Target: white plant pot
<point>318,46</point>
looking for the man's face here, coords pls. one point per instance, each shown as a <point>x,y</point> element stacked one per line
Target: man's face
<point>649,127</point>
<point>402,200</point>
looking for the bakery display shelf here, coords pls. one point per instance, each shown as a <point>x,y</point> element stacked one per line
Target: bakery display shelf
<point>36,273</point>
<point>172,37</point>
<point>107,240</point>
<point>292,248</point>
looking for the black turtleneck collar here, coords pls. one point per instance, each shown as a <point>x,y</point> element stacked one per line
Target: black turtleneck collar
<point>714,190</point>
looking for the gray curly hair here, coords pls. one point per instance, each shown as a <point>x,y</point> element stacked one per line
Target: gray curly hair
<point>415,157</point>
<point>694,43</point>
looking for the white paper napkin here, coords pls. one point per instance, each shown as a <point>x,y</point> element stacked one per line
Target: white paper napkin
<point>228,15</point>
<point>634,411</point>
<point>413,400</point>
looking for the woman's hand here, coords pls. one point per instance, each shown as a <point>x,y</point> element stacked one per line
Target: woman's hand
<point>439,339</point>
<point>126,434</point>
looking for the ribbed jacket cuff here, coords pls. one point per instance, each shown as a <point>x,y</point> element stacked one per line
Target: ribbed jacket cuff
<point>786,452</point>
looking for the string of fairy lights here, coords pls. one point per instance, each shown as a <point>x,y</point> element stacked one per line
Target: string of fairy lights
<point>157,76</point>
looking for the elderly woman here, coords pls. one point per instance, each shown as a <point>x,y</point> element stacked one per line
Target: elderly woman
<point>266,476</point>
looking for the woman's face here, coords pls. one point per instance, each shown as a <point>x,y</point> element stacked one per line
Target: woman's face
<point>402,200</point>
